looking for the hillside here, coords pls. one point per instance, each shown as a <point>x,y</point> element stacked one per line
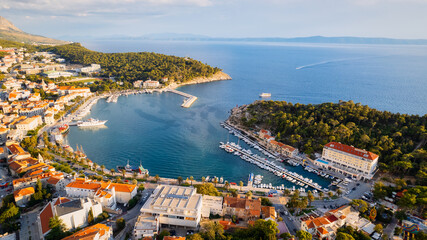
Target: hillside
<point>133,66</point>
<point>10,32</point>
<point>399,139</point>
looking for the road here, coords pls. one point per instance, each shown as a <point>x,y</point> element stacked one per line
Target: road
<point>29,226</point>
<point>287,219</point>
<point>389,230</point>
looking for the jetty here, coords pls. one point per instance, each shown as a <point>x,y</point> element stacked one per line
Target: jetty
<point>190,99</point>
<point>263,163</point>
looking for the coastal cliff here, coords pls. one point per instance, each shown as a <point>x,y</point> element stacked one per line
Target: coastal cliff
<point>219,76</point>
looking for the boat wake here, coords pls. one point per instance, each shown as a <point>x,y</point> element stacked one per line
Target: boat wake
<point>327,62</point>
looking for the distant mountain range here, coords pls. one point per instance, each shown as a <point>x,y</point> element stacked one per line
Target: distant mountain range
<point>10,32</point>
<point>312,39</point>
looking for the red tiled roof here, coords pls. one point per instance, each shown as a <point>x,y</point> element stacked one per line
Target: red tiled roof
<point>61,200</point>
<point>352,150</point>
<point>23,192</point>
<point>45,216</point>
<point>322,230</point>
<point>332,218</point>
<point>89,233</point>
<point>120,187</point>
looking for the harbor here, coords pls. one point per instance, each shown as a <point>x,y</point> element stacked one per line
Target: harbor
<point>263,163</point>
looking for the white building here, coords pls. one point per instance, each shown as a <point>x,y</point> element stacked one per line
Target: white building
<point>170,206</point>
<point>107,193</point>
<point>91,69</point>
<point>212,205</point>
<point>151,84</point>
<point>348,160</point>
<point>29,123</point>
<point>73,212</point>
<point>57,74</point>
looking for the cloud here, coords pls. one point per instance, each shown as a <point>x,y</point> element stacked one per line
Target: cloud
<point>82,8</point>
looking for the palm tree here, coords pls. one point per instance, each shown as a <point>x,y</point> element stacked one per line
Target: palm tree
<point>241,185</point>
<point>134,182</point>
<point>215,181</point>
<point>203,179</point>
<point>157,177</point>
<point>249,194</point>
<point>339,192</point>
<point>112,171</point>
<point>321,195</point>
<point>286,192</point>
<point>124,173</point>
<point>227,185</point>
<point>135,174</point>
<point>330,194</point>
<point>310,197</point>
<point>191,180</point>
<point>179,180</point>
<point>95,165</point>
<point>102,168</point>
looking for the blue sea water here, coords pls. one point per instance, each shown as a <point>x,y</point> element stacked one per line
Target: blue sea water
<point>172,141</point>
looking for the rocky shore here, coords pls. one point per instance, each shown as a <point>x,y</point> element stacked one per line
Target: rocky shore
<point>219,76</point>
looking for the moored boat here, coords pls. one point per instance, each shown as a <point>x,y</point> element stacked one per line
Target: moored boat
<point>91,122</point>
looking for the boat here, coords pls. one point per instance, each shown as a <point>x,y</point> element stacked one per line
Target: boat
<point>142,170</point>
<point>64,128</point>
<point>127,168</point>
<point>265,95</point>
<point>91,122</point>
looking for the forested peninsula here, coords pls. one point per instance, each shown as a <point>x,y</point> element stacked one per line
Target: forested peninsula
<point>132,66</point>
<point>399,139</point>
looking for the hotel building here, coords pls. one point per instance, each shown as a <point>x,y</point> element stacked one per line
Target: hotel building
<point>348,160</point>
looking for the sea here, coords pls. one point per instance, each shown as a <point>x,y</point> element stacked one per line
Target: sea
<point>171,141</point>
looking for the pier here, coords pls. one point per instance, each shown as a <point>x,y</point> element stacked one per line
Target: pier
<point>190,99</point>
<point>268,164</point>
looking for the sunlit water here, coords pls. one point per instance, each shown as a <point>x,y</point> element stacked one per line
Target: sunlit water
<point>172,141</point>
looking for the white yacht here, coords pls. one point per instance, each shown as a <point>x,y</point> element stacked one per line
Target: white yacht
<point>91,122</point>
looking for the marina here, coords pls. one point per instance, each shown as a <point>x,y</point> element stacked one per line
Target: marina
<point>263,163</point>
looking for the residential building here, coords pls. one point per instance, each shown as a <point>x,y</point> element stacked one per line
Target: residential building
<point>169,205</point>
<point>212,205</point>
<point>23,196</point>
<point>49,119</point>
<point>268,213</point>
<point>29,123</point>
<point>3,135</point>
<point>326,226</point>
<point>107,193</point>
<point>96,232</point>
<point>243,208</point>
<point>137,84</point>
<point>73,212</point>
<point>348,160</point>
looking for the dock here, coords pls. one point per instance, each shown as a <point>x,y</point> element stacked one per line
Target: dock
<point>190,99</point>
<point>284,174</point>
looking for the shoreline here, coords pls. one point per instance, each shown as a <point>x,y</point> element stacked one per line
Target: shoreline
<point>219,76</point>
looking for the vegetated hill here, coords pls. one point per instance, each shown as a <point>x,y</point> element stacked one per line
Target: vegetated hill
<point>133,66</point>
<point>10,32</point>
<point>399,139</point>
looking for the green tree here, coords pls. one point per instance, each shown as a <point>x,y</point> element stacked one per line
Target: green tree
<point>227,185</point>
<point>286,236</point>
<point>264,229</point>
<point>378,228</point>
<point>397,231</point>
<point>203,179</point>
<point>112,171</point>
<point>180,180</point>
<point>120,223</point>
<point>241,185</point>
<point>11,213</point>
<point>266,202</point>
<point>207,189</point>
<point>212,231</point>
<point>163,234</point>
<point>248,194</point>
<point>303,235</point>
<point>102,168</point>
<point>57,229</point>
<point>344,236</point>
<point>90,218</point>
<point>191,180</point>
<point>157,177</point>
<point>310,197</point>
<point>195,236</point>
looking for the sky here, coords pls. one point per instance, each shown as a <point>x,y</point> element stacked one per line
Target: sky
<point>405,19</point>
